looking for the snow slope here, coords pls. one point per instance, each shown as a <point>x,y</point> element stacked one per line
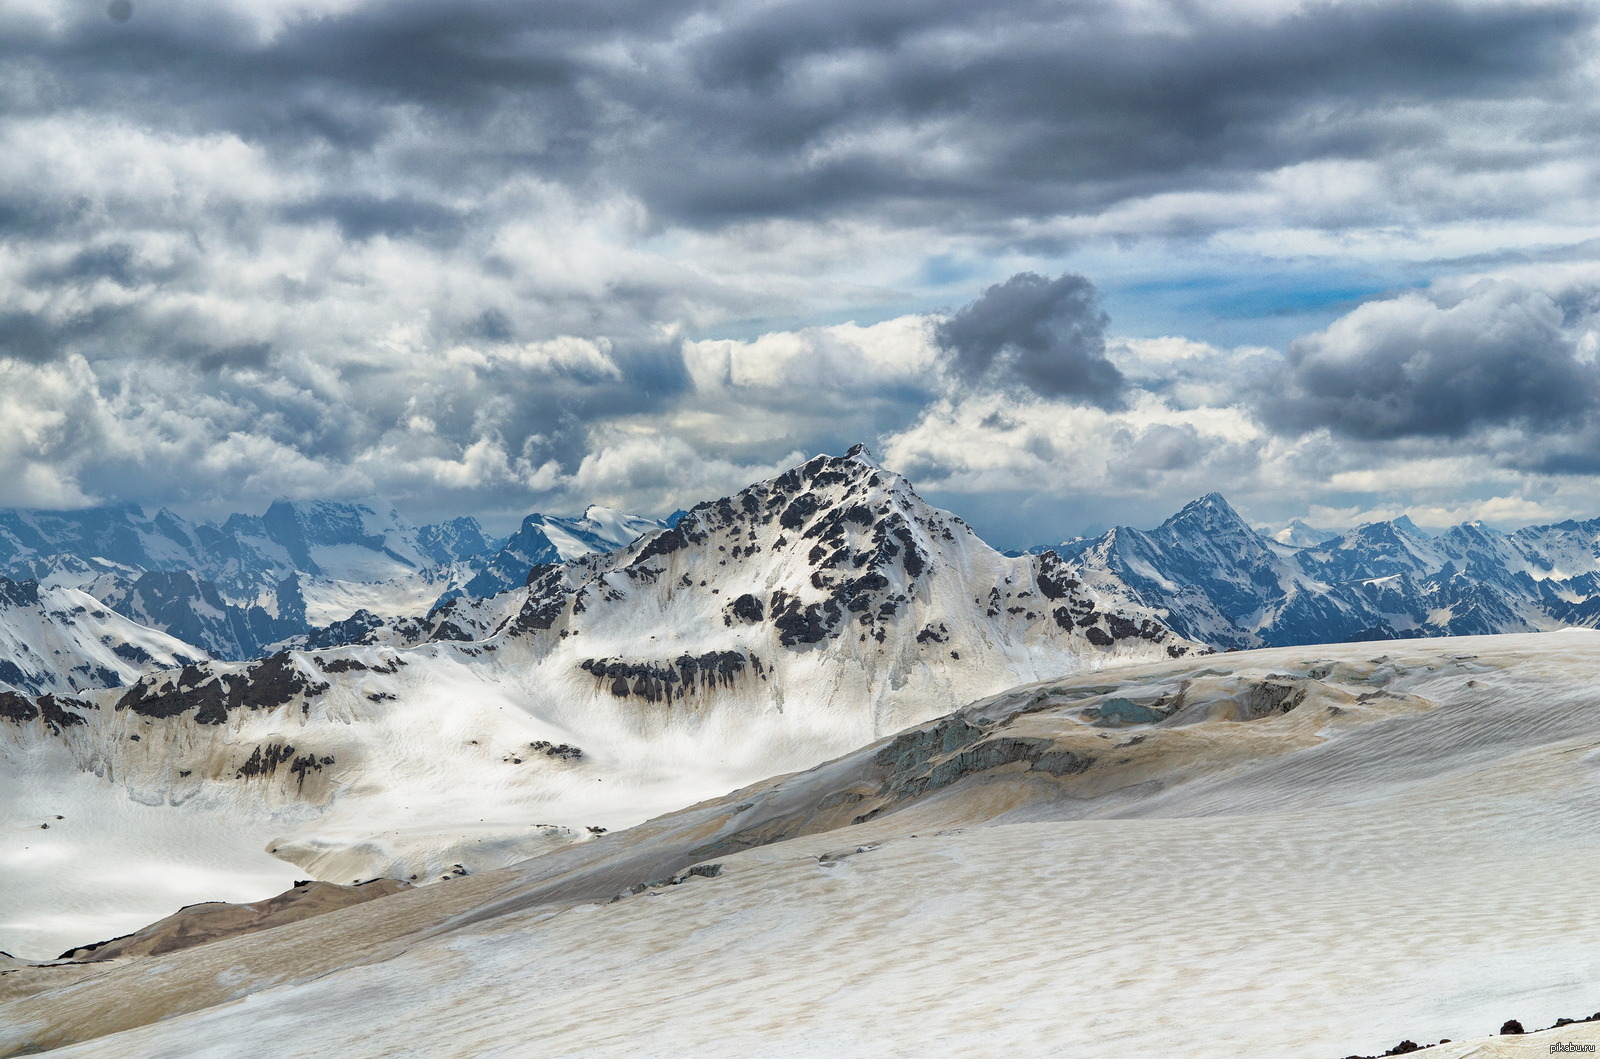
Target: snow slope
<point>1299,535</point>
<point>1287,854</point>
<point>61,641</point>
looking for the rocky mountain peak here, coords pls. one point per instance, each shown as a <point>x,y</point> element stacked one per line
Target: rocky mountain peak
<point>1405,525</point>
<point>1211,515</point>
<point>835,563</point>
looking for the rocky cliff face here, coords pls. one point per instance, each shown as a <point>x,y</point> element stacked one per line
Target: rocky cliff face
<point>183,605</point>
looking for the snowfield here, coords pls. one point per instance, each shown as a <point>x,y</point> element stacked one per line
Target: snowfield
<point>1297,852</point>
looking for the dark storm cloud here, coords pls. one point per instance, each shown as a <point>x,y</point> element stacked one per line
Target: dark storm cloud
<point>37,337</point>
<point>238,355</point>
<point>116,263</point>
<point>1053,109</point>
<point>714,112</point>
<point>364,216</point>
<point>492,325</point>
<point>1417,366</point>
<point>1049,335</point>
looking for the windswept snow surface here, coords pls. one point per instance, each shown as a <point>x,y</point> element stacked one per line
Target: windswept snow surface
<point>1297,853</point>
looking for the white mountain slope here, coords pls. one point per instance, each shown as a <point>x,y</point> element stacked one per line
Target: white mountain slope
<point>347,541</point>
<point>806,616</point>
<point>61,641</point>
<point>1296,853</point>
<point>329,600</point>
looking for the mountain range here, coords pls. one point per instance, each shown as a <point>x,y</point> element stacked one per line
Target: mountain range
<point>802,617</point>
<point>1215,579</point>
<point>322,573</point>
<point>234,589</point>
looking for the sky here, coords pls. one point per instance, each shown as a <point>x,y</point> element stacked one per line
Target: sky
<point>1066,265</point>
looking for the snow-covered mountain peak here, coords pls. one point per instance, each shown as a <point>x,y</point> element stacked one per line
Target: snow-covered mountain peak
<point>455,540</point>
<point>1375,550</point>
<point>1405,525</point>
<point>544,539</point>
<point>1211,516</point>
<point>831,583</point>
<point>861,454</point>
<point>616,527</point>
<point>365,540</point>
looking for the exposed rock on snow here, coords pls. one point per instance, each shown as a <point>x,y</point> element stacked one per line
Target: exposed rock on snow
<point>188,608</point>
<point>210,921</point>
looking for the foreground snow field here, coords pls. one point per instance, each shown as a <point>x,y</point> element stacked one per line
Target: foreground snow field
<point>1300,852</point>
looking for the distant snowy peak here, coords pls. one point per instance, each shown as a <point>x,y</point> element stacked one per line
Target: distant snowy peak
<point>350,541</point>
<point>1221,582</point>
<point>543,539</point>
<point>246,558</point>
<point>1211,517</point>
<point>102,538</point>
<point>62,640</point>
<point>1561,551</point>
<point>455,540</point>
<point>1299,535</point>
<point>1377,549</point>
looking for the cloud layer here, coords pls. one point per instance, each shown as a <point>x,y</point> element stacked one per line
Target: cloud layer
<point>492,256</point>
